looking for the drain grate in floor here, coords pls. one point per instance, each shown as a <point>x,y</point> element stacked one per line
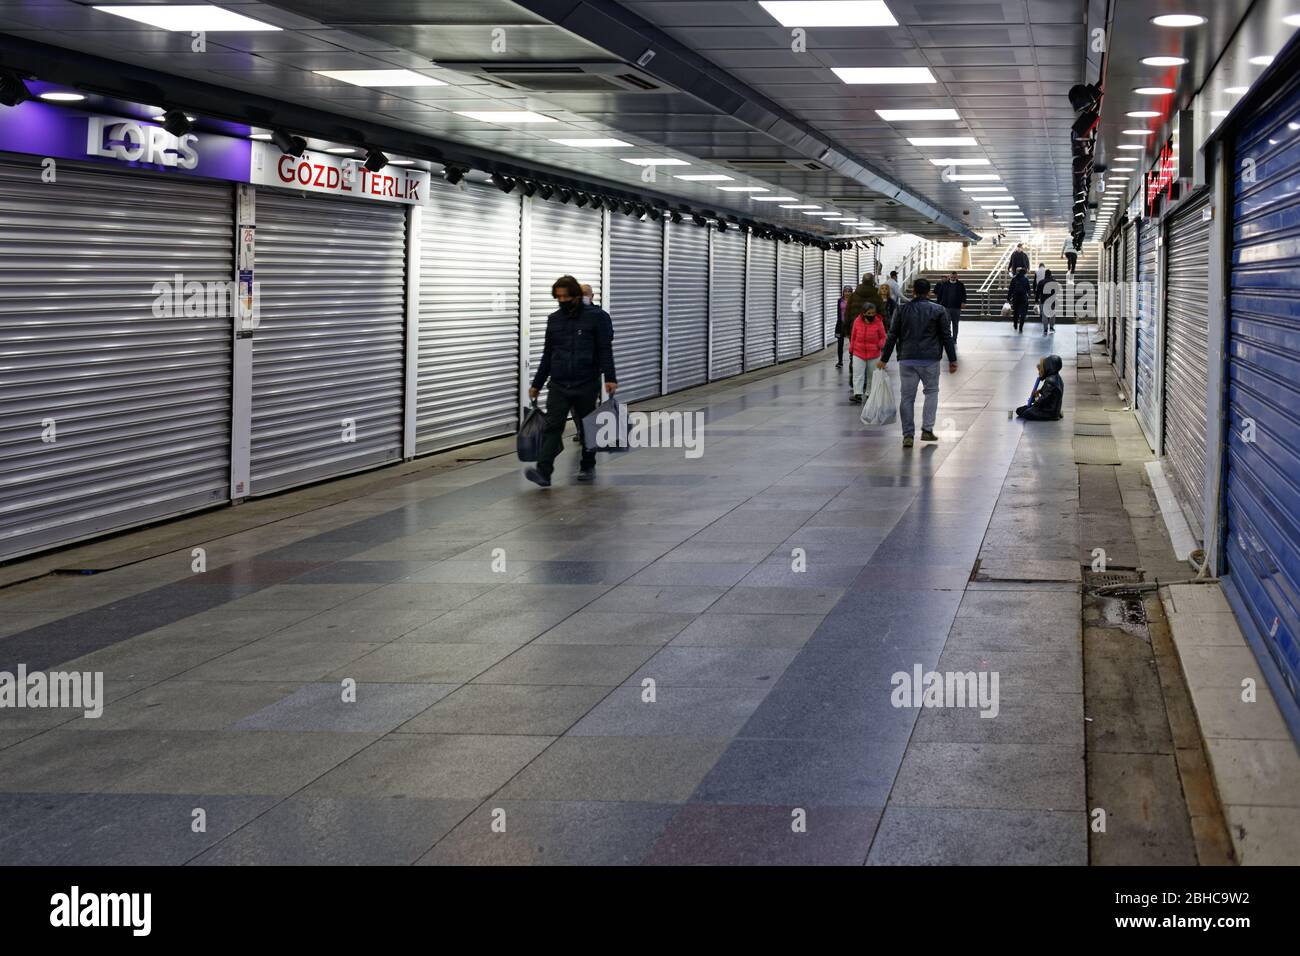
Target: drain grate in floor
<point>1101,579</point>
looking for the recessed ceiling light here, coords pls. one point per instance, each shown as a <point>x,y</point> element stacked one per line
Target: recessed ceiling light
<point>62,97</point>
<point>261,137</point>
<point>883,74</point>
<point>1138,132</point>
<point>159,117</point>
<point>340,150</point>
<point>984,189</point>
<point>974,177</point>
<point>823,215</point>
<point>942,140</point>
<point>594,143</point>
<point>704,178</point>
<point>774,198</point>
<point>1112,178</point>
<point>655,161</point>
<point>801,207</point>
<point>401,162</point>
<point>743,189</point>
<point>1163,60</point>
<point>990,200</point>
<point>901,116</point>
<point>957,161</point>
<point>830,13</point>
<point>188,18</point>
<point>1261,60</point>
<point>1235,90</point>
<point>1178,20</point>
<point>1131,146</point>
<point>1152,90</point>
<point>381,78</point>
<point>1126,159</point>
<point>505,116</point>
<point>1142,114</point>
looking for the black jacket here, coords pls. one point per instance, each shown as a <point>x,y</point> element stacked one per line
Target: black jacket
<point>1018,291</point>
<point>1045,403</point>
<point>950,295</point>
<point>921,330</point>
<point>1019,260</point>
<point>578,349</point>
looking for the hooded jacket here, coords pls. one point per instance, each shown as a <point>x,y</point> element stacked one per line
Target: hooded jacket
<point>1045,403</point>
<point>864,293</point>
<point>578,349</point>
<point>1018,291</point>
<point>868,337</point>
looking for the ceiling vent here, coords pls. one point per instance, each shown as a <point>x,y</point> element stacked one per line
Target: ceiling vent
<point>561,77</point>
<point>769,165</point>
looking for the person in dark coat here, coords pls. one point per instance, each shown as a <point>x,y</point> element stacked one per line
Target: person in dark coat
<point>578,350</point>
<point>843,325</point>
<point>1018,293</point>
<point>1045,400</point>
<point>1019,259</point>
<point>1046,292</point>
<point>867,291</point>
<point>951,294</point>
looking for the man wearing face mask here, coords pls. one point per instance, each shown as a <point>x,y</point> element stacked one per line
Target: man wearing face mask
<point>578,350</point>
<point>589,299</point>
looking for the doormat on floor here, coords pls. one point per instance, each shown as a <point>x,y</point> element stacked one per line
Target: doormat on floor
<point>1090,428</point>
<point>1094,450</point>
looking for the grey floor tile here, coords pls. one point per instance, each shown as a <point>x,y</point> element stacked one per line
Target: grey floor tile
<point>554,833</point>
<point>270,659</point>
<point>187,705</point>
<point>674,712</point>
<point>610,627</point>
<point>363,708</point>
<point>525,709</point>
<point>719,834</point>
<point>755,667</point>
<point>600,664</point>
<point>991,776</point>
<point>404,594</point>
<point>655,769</point>
<point>323,831</point>
<point>473,571</point>
<point>423,663</point>
<point>942,836</point>
<point>1018,719</point>
<point>349,623</point>
<point>661,598</point>
<point>430,767</point>
<point>499,627</point>
<point>309,597</point>
<point>803,773</point>
<point>689,573</point>
<point>778,600</point>
<point>717,629</point>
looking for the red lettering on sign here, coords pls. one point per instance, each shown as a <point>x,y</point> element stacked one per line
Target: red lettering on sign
<point>304,174</point>
<point>284,169</point>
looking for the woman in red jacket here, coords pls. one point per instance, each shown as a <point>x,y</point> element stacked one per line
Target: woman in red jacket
<point>865,344</point>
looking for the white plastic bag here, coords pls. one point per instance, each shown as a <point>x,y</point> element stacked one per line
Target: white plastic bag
<point>1006,310</point>
<point>879,407</point>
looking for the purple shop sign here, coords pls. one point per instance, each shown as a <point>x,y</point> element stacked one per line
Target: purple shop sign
<point>44,130</point>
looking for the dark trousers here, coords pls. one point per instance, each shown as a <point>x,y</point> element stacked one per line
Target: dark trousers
<point>954,319</point>
<point>1031,413</point>
<point>839,350</point>
<point>1070,259</point>
<point>1019,312</point>
<point>560,403</point>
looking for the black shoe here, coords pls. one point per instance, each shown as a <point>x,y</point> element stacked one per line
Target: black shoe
<point>927,435</point>
<point>856,400</point>
<point>537,478</point>
<point>907,441</point>
<point>839,364</point>
<point>587,474</point>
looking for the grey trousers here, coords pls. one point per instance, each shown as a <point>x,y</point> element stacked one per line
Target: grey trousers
<point>909,376</point>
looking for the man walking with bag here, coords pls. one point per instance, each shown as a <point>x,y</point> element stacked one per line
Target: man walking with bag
<point>577,351</point>
<point>921,333</point>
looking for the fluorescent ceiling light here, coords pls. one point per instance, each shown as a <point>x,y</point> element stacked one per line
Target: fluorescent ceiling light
<point>974,177</point>
<point>505,116</point>
<point>956,161</point>
<point>1261,60</point>
<point>261,137</point>
<point>984,189</point>
<point>1235,90</point>
<point>188,18</point>
<point>1219,112</point>
<point>1152,90</point>
<point>340,150</point>
<point>1138,132</point>
<point>1178,20</point>
<point>991,200</point>
<point>830,13</point>
<point>381,78</point>
<point>883,74</point>
<point>774,199</point>
<point>1131,146</point>
<point>742,189</point>
<point>1293,20</point>
<point>595,143</point>
<point>1142,114</point>
<point>704,178</point>
<point>901,116</point>
<point>62,97</point>
<point>1163,60</point>
<point>801,207</point>
<point>401,162</point>
<point>942,140</point>
<point>656,161</point>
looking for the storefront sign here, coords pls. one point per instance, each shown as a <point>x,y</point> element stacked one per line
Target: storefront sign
<point>1175,161</point>
<point>45,130</point>
<point>323,173</point>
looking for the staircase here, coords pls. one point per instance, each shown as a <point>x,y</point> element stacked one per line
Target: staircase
<point>987,277</point>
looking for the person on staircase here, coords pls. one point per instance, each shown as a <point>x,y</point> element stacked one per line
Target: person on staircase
<point>1019,259</point>
<point>951,294</point>
<point>1070,255</point>
<point>1018,293</point>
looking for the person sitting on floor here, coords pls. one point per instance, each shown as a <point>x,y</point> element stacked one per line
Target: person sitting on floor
<point>1045,401</point>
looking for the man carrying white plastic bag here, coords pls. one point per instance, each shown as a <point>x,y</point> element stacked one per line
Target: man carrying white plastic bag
<point>879,407</point>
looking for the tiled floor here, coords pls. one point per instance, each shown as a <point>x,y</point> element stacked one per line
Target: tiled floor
<point>688,662</point>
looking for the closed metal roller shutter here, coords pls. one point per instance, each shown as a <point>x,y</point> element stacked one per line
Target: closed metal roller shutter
<point>564,240</point>
<point>329,348</point>
<point>688,305</point>
<point>760,314</point>
<point>814,273</point>
<point>834,281</point>
<point>789,301</point>
<point>727,304</point>
<point>635,301</point>
<point>468,385</point>
<point>1148,335</point>
<point>1130,308</point>
<point>1262,431</point>
<point>93,355</point>
<point>1187,297</point>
